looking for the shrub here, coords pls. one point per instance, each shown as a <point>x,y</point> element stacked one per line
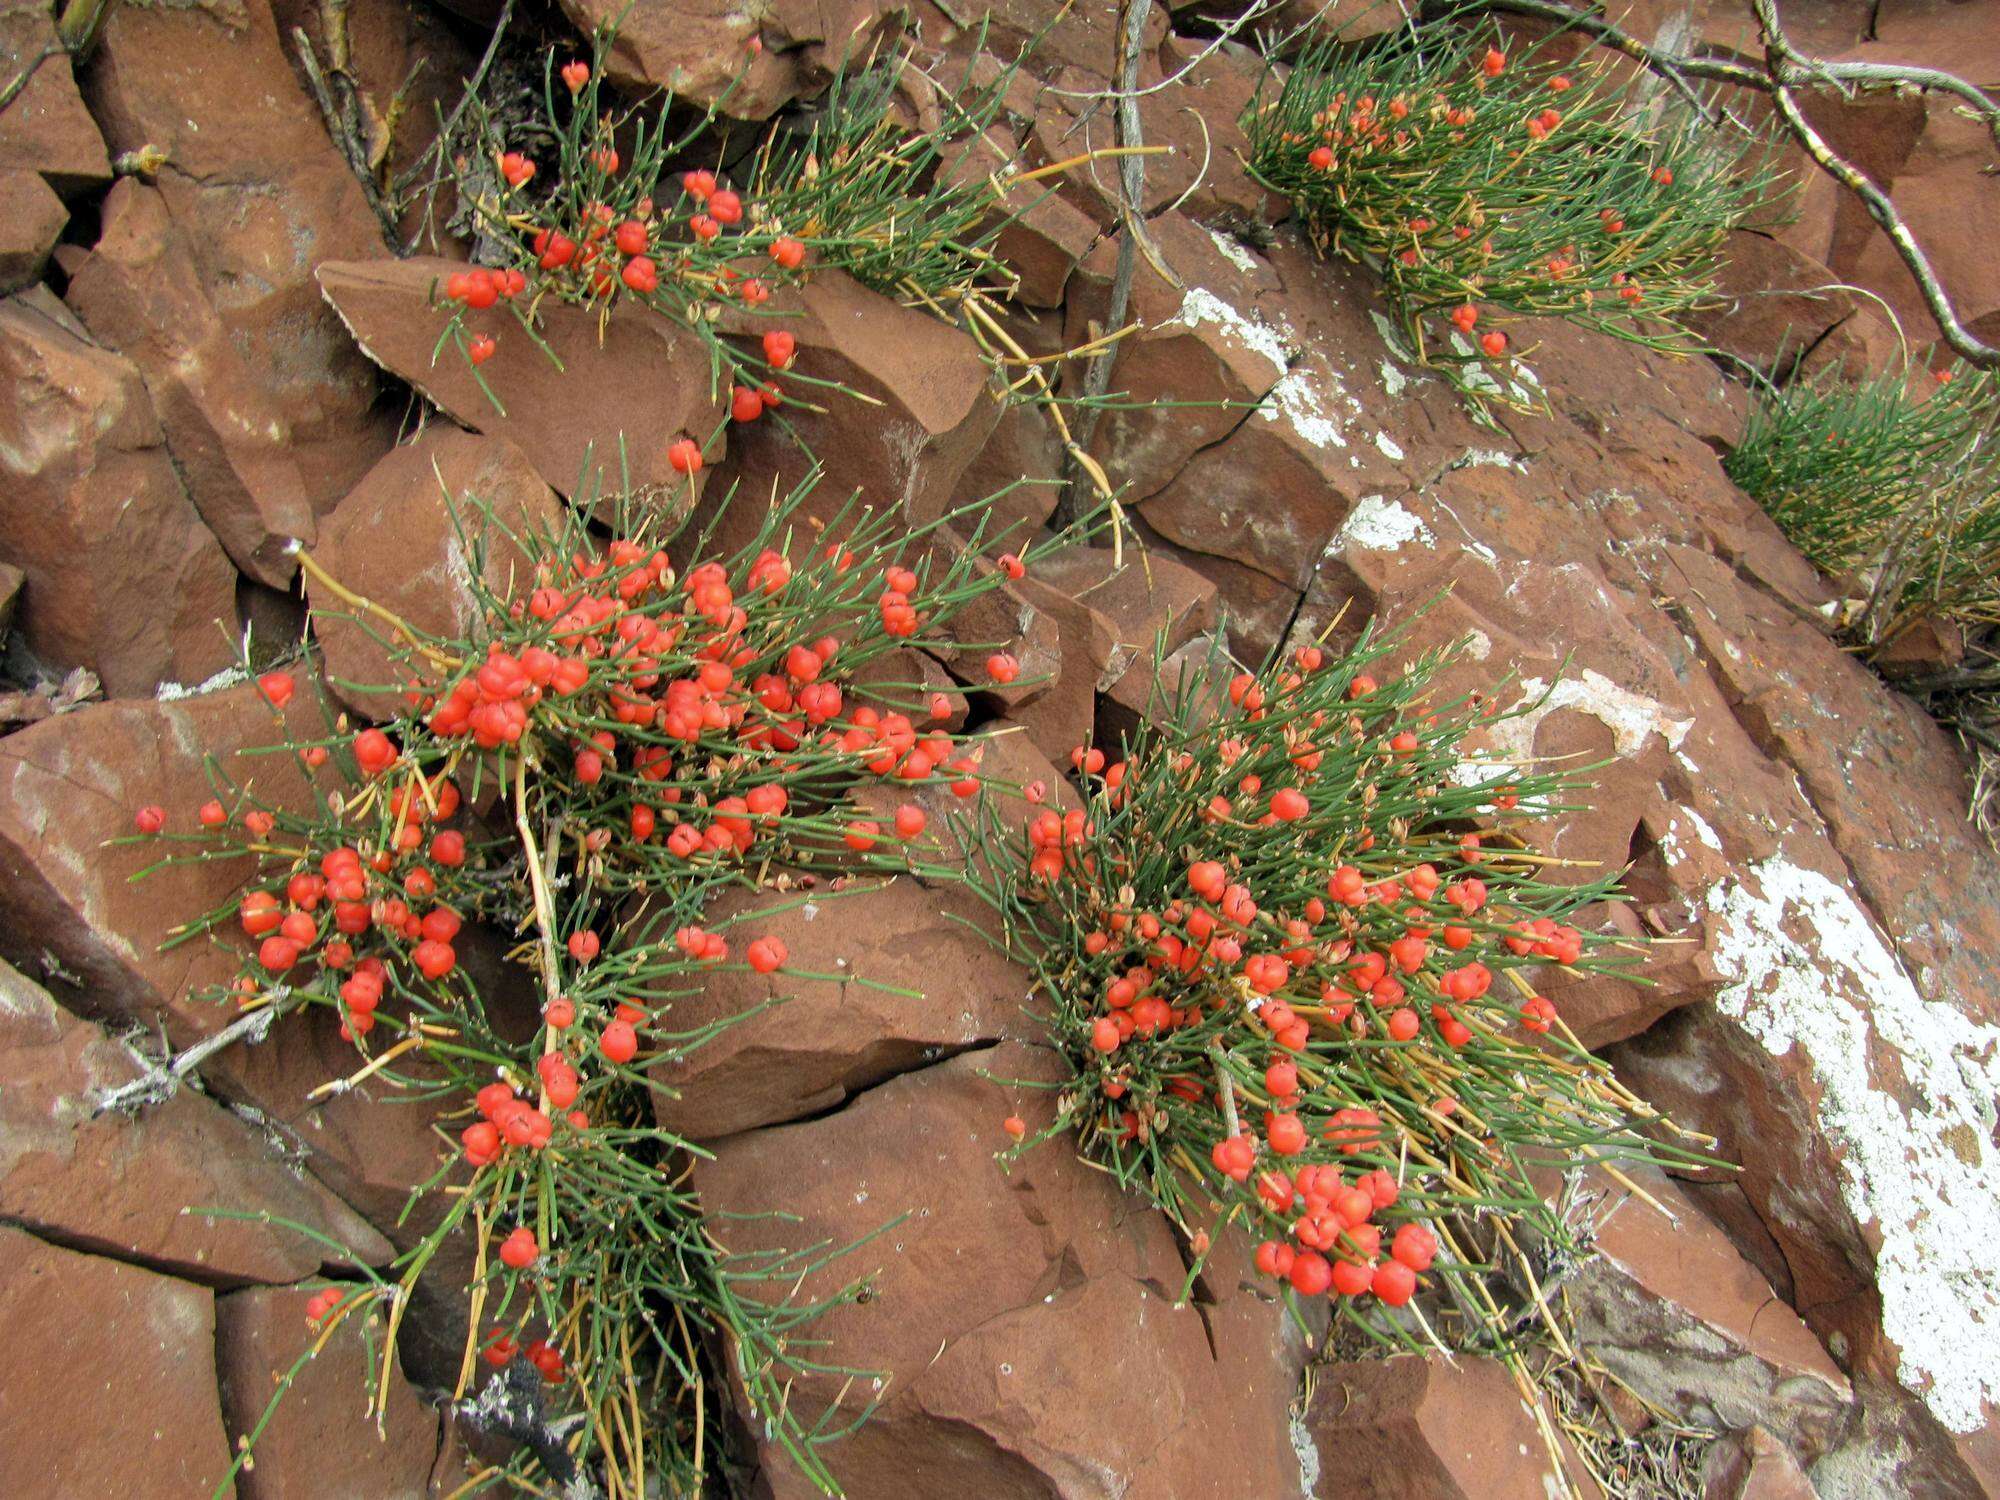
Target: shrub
<point>647,736</point>
<point>1290,949</point>
<point>1486,187</point>
<point>585,207</point>
<point>1900,491</point>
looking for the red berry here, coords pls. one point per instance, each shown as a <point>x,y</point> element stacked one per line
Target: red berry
<point>745,405</point>
<point>1394,1282</point>
<point>788,253</point>
<point>150,819</point>
<point>684,456</point>
<point>640,274</point>
<point>1002,667</point>
<point>767,955</point>
<point>725,207</point>
<point>779,347</point>
<point>575,75</point>
<point>1310,1274</point>
<point>619,1042</point>
<point>480,348</point>
<point>519,1251</point>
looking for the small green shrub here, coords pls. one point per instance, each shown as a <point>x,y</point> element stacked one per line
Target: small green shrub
<point>1898,491</point>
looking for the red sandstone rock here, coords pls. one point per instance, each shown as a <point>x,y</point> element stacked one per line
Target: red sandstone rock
<point>74,781</point>
<point>989,1293</point>
<point>122,1183</point>
<point>1420,1429</point>
<point>111,1383</point>
<point>140,294</point>
<point>824,1040</point>
<point>321,1439</point>
<point>642,385</point>
<point>406,537</point>
<point>34,222</point>
<point>746,63</point>
<point>122,576</point>
<point>926,412</point>
<point>1671,1308</point>
<point>260,196</point>
<point>1196,346</point>
<point>46,128</point>
<point>1754,1465</point>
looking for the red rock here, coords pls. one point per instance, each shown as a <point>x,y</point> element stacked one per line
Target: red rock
<point>1143,600</point>
<point>121,1364</point>
<point>1754,1465</point>
<point>33,225</point>
<point>46,128</point>
<point>1064,715</point>
<point>321,1439</point>
<point>829,1039</point>
<point>1196,675</point>
<point>1047,39</point>
<point>74,781</point>
<point>1041,234</point>
<point>398,540</point>
<point>644,383</point>
<point>1672,1310</point>
<point>925,412</point>
<point>260,195</point>
<point>747,64</point>
<point>1930,158</point>
<point>1021,464</point>
<point>122,1183</point>
<point>1322,437</point>
<point>989,1294</point>
<point>1191,106</point>
<point>139,293</point>
<point>122,576</point>
<point>1419,1429</point>
<point>1928,644</point>
<point>1782,309</point>
<point>1196,347</point>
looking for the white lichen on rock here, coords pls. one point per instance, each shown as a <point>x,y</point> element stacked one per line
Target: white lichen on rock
<point>1201,306</point>
<point>1808,970</point>
<point>1631,717</point>
<point>1379,524</point>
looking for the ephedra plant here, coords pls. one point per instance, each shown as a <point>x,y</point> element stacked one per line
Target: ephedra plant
<point>1889,479</point>
<point>1294,953</point>
<point>615,740</point>
<point>587,209</point>
<point>1487,186</point>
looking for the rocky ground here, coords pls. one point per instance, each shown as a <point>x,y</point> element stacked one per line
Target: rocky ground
<point>210,358</point>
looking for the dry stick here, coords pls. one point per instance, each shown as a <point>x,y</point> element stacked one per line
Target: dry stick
<point>1131,189</point>
<point>158,1083</point>
<point>1785,65</point>
<point>545,909</point>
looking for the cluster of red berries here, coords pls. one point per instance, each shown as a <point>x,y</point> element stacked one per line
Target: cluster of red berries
<point>1406,956</point>
<point>500,1349</point>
